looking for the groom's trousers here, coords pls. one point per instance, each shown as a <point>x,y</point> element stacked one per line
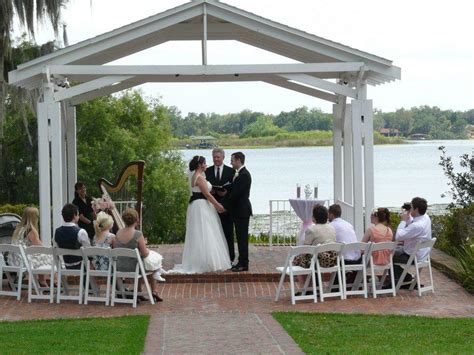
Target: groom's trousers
<point>242,234</point>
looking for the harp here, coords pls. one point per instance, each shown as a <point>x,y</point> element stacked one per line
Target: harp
<point>125,192</point>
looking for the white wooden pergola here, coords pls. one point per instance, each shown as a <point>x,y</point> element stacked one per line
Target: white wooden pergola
<point>327,70</point>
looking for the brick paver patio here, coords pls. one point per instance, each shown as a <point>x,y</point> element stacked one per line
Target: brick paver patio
<point>230,313</point>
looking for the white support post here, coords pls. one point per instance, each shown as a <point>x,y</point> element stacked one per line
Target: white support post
<point>337,148</point>
<point>64,150</point>
<point>347,150</point>
<point>368,126</point>
<point>44,173</point>
<point>71,150</point>
<point>358,183</point>
<point>54,112</point>
<point>204,35</point>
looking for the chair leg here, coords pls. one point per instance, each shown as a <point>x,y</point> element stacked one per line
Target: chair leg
<point>81,288</point>
<point>292,289</point>
<point>29,287</point>
<point>107,291</point>
<point>431,276</point>
<point>18,285</point>
<point>280,285</point>
<point>321,287</point>
<point>60,285</point>
<point>86,288</point>
<point>364,275</point>
<point>392,279</point>
<point>374,283</point>
<point>313,279</point>
<point>114,281</point>
<point>135,291</point>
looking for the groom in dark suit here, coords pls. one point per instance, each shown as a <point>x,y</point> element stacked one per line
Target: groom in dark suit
<point>238,204</point>
<point>218,175</point>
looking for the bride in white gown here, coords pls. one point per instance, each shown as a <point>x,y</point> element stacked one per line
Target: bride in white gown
<point>205,246</point>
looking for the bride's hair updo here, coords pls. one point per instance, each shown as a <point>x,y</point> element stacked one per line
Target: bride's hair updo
<point>194,163</point>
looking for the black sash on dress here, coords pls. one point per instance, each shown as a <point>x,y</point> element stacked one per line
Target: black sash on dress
<point>197,196</point>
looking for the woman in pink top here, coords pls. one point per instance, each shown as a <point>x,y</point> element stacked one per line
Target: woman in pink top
<point>379,232</point>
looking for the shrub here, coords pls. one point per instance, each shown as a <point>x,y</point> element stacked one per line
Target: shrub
<point>465,256</point>
<point>18,209</point>
<point>461,184</point>
<point>455,230</point>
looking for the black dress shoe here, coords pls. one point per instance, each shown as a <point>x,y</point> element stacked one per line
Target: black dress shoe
<point>240,268</point>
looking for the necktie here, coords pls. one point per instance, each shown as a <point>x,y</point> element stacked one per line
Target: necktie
<point>218,175</point>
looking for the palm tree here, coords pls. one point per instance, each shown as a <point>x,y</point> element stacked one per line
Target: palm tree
<point>25,11</point>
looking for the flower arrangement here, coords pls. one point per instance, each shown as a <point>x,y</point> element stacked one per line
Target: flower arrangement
<point>307,191</point>
<point>103,203</point>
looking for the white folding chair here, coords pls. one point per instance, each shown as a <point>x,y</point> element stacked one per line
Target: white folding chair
<point>34,273</point>
<point>333,271</point>
<point>64,289</point>
<point>378,273</point>
<point>136,275</point>
<point>91,252</point>
<point>292,271</point>
<point>359,285</point>
<point>12,272</point>
<point>418,264</point>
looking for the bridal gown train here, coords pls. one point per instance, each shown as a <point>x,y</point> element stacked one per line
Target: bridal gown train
<point>205,246</point>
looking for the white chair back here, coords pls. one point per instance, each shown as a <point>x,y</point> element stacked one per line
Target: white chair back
<point>14,273</point>
<point>63,289</point>
<point>292,270</point>
<point>379,273</point>
<point>33,273</point>
<point>359,285</point>
<point>92,274</point>
<point>135,275</point>
<point>334,271</point>
<point>418,264</point>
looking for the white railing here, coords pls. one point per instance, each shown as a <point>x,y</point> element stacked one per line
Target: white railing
<point>284,224</point>
<point>280,227</point>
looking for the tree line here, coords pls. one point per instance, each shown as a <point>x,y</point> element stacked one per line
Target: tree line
<point>432,122</point>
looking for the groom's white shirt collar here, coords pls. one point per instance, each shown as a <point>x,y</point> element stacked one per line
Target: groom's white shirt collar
<point>238,170</point>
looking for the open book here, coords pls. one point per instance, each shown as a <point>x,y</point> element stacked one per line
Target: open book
<point>222,187</point>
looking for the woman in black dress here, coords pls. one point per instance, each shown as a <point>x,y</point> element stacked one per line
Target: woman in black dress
<point>84,205</point>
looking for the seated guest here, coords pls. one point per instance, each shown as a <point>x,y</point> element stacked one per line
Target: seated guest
<point>103,239</point>
<point>415,225</point>
<point>70,236</point>
<point>131,238</point>
<point>26,234</point>
<point>319,233</point>
<point>345,233</point>
<point>379,232</point>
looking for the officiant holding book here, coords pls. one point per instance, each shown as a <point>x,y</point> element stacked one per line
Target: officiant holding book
<point>220,176</point>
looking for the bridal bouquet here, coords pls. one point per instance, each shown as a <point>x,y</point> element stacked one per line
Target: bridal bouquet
<point>103,203</point>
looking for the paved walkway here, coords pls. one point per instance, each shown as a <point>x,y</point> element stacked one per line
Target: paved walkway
<point>231,316</point>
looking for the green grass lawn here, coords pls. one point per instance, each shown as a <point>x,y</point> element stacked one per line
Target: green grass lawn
<point>318,333</point>
<point>120,335</point>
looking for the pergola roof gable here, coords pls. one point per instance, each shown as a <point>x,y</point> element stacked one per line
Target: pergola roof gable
<point>224,22</point>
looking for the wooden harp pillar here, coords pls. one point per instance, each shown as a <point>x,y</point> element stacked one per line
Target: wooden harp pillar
<point>135,170</point>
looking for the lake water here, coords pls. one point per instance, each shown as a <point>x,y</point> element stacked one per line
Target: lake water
<point>401,171</point>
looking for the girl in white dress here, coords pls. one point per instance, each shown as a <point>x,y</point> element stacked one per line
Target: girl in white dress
<point>205,246</point>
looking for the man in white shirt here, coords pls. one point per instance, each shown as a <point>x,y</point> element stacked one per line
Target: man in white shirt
<point>415,225</point>
<point>345,233</point>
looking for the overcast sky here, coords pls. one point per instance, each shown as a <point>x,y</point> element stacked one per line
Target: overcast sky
<point>429,40</point>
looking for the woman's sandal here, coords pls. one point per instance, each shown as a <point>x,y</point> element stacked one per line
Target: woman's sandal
<point>156,298</point>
